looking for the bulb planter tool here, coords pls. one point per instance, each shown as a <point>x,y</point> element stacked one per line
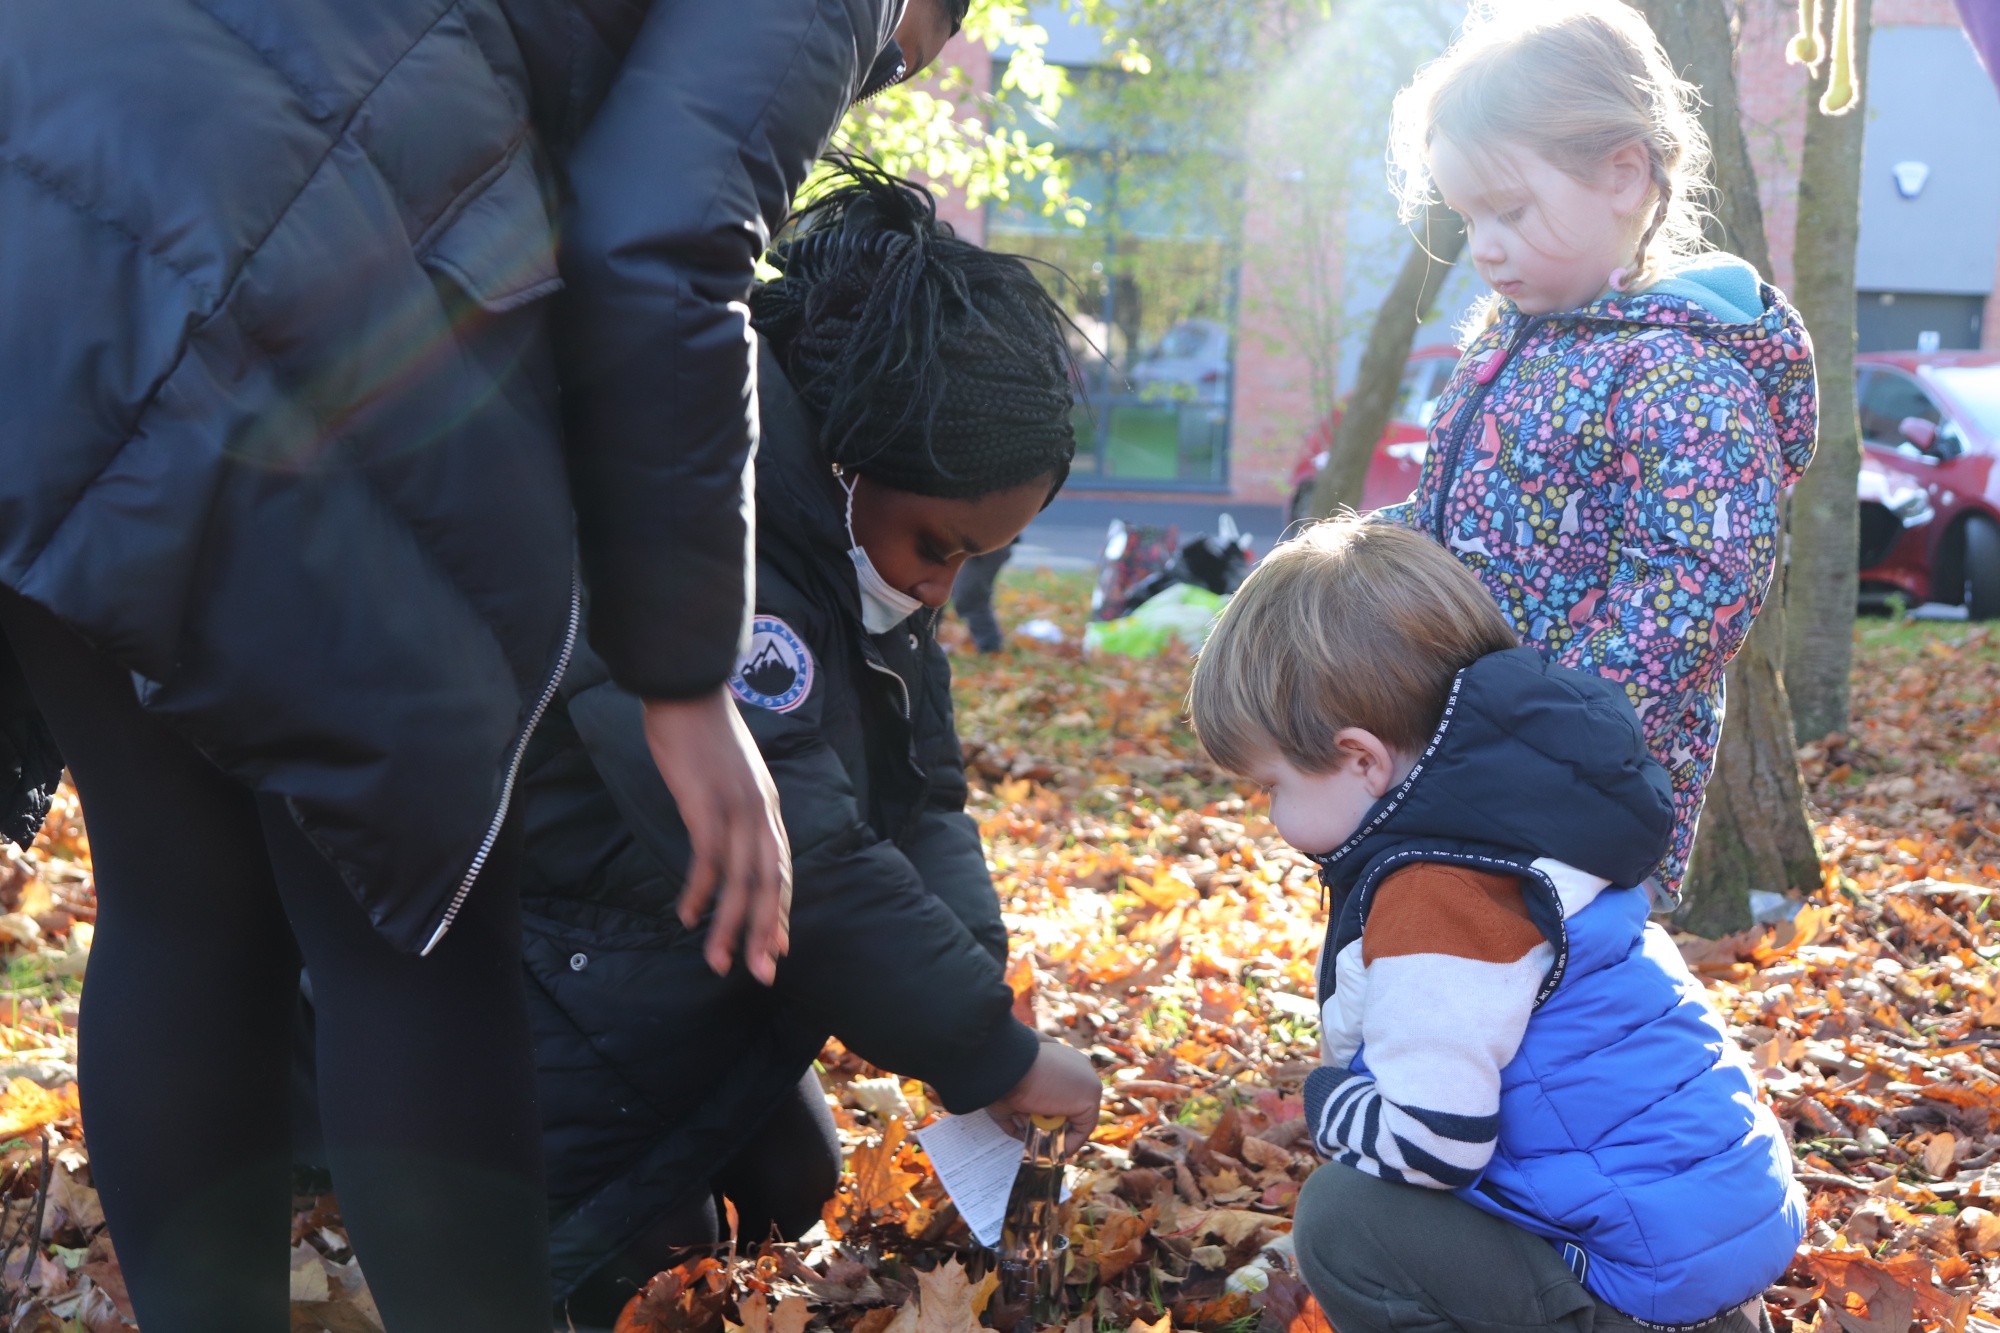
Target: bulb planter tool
<point>1033,1253</point>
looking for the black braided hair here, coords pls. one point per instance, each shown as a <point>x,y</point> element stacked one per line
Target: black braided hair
<point>933,365</point>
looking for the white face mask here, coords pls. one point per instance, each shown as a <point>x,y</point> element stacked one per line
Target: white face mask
<point>882,607</point>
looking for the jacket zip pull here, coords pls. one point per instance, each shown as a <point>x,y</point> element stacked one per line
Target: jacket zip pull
<point>902,685</point>
<point>513,768</point>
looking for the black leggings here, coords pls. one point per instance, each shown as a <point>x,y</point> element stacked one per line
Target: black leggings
<point>779,1181</point>
<point>208,898</point>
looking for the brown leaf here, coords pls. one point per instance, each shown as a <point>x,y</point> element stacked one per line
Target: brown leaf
<point>876,1320</point>
<point>1232,1226</point>
<point>1937,1153</point>
<point>1265,1155</point>
<point>1227,1136</point>
<point>331,1317</point>
<point>100,1265</point>
<point>74,1202</point>
<point>790,1316</point>
<point>905,1319</point>
<point>36,1318</point>
<point>945,1300</point>
<point>1776,1053</point>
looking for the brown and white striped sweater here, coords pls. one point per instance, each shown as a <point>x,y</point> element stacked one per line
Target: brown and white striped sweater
<point>1428,1006</point>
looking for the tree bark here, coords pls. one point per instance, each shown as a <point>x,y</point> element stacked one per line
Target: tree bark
<point>1754,832</point>
<point>1819,647</point>
<point>1369,406</point>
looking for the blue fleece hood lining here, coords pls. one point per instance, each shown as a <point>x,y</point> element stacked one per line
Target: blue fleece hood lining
<point>1721,284</point>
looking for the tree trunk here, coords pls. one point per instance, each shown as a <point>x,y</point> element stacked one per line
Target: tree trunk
<point>1699,43</point>
<point>1754,833</point>
<point>1369,407</point>
<point>1819,647</point>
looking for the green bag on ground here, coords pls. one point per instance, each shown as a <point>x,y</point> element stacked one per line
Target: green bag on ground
<point>1184,611</point>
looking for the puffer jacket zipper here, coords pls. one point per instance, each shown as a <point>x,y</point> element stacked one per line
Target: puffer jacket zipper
<point>479,857</point>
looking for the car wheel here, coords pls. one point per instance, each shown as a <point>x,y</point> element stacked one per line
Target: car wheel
<point>1982,569</point>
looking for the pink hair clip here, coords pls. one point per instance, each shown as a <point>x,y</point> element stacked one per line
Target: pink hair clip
<point>1617,279</point>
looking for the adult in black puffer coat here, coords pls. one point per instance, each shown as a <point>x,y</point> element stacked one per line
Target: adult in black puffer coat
<point>286,554</point>
<point>935,374</point>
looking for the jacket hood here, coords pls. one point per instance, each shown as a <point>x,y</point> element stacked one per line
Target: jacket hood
<point>1529,758</point>
<point>1721,300</point>
<point>800,503</point>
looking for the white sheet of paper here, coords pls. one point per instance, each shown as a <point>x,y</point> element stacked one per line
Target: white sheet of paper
<point>977,1161</point>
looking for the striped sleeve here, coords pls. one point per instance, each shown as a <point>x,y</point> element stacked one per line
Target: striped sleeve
<point>1451,965</point>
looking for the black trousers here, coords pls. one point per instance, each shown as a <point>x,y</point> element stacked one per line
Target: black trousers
<point>778,1183</point>
<point>1387,1258</point>
<point>209,898</point>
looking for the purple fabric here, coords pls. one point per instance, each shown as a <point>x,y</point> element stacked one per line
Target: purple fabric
<point>1982,25</point>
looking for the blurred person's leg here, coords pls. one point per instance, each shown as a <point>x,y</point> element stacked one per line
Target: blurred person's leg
<point>189,1008</point>
<point>188,1004</point>
<point>972,597</point>
<point>426,1095</point>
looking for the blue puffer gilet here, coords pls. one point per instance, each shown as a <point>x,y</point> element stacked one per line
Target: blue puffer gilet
<point>1631,1134</point>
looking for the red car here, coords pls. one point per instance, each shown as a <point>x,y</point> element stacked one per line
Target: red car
<point>1929,488</point>
<point>1399,454</point>
<point>1930,493</point>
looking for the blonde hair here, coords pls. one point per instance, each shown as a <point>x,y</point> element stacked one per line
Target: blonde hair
<point>1573,81</point>
<point>1353,623</point>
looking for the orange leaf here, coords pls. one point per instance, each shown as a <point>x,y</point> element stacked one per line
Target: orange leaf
<point>1310,1319</point>
<point>1224,1309</point>
<point>26,1105</point>
<point>687,1299</point>
<point>878,1181</point>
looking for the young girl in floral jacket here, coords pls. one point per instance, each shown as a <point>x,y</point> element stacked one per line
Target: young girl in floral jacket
<point>1611,454</point>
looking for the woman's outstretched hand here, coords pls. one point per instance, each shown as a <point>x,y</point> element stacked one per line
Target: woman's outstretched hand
<point>730,806</point>
<point>1063,1082</point>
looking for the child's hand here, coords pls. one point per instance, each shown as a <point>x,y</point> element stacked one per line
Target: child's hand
<point>1063,1082</point>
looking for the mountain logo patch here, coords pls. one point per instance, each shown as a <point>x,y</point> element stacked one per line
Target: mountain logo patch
<point>777,671</point>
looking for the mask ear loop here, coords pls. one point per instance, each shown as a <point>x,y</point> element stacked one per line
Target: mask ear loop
<point>840,475</point>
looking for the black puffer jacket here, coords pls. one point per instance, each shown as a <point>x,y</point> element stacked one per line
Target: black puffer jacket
<point>278,424</point>
<point>654,1069</point>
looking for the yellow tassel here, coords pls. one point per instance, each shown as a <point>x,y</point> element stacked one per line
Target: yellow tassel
<point>1806,48</point>
<point>1843,90</point>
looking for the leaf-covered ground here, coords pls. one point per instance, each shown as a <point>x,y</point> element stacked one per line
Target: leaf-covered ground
<point>1161,926</point>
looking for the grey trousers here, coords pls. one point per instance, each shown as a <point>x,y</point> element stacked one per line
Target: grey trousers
<point>972,597</point>
<point>1387,1258</point>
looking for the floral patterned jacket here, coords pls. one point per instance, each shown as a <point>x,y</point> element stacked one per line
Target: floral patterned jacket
<point>1613,475</point>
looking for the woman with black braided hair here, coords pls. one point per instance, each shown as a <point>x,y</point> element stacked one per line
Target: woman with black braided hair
<point>915,397</point>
